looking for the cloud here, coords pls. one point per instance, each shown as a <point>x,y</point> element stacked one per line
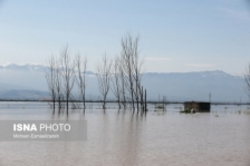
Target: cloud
<point>158,59</point>
<point>200,65</point>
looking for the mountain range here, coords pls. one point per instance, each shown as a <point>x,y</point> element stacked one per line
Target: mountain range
<point>28,81</point>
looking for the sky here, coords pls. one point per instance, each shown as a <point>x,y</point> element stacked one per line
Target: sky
<point>175,36</point>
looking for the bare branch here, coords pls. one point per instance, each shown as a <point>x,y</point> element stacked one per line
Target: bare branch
<point>80,76</point>
<point>67,74</point>
<point>50,78</point>
<point>103,72</point>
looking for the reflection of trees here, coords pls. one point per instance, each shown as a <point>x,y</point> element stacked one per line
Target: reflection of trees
<point>130,138</point>
<point>117,139</point>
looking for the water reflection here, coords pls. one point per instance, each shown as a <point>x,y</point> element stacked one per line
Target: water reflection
<point>117,137</point>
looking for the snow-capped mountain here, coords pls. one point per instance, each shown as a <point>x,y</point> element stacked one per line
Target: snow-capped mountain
<point>27,67</point>
<point>18,78</point>
<point>176,86</point>
<point>24,67</point>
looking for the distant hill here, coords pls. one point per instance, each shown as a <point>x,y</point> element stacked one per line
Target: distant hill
<point>196,86</point>
<point>28,81</point>
<point>23,94</point>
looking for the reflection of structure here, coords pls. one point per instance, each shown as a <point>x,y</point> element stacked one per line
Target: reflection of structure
<point>197,106</point>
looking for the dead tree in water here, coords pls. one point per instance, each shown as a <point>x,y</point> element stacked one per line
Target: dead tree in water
<point>137,67</point>
<point>127,69</point>
<point>164,102</point>
<point>142,99</point>
<point>81,77</point>
<point>116,81</point>
<point>67,75</point>
<point>103,73</point>
<point>146,104</point>
<point>58,84</point>
<point>50,76</point>
<point>131,66</point>
<point>123,86</point>
<point>247,80</point>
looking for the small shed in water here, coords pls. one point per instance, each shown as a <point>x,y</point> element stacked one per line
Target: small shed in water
<point>197,106</point>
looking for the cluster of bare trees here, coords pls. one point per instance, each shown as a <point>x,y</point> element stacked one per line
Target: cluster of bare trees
<point>131,67</point>
<point>61,77</point>
<point>125,74</point>
<point>122,75</point>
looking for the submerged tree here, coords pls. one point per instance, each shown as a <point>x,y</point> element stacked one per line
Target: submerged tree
<point>58,84</point>
<point>127,76</point>
<point>132,68</point>
<point>123,85</point>
<point>50,76</point>
<point>67,74</point>
<point>81,66</point>
<point>247,80</point>
<point>116,81</point>
<point>103,72</point>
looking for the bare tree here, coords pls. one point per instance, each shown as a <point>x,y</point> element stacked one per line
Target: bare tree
<point>50,78</point>
<point>123,84</point>
<point>103,72</point>
<point>131,66</point>
<point>116,81</point>
<point>67,74</point>
<point>127,67</point>
<point>247,80</point>
<point>137,69</point>
<point>58,84</point>
<point>81,77</point>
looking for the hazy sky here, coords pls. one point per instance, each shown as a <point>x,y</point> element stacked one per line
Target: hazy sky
<point>175,35</point>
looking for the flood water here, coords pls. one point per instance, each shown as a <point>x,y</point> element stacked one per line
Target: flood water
<point>118,138</point>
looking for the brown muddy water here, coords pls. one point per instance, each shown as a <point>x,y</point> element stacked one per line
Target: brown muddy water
<point>118,138</point>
